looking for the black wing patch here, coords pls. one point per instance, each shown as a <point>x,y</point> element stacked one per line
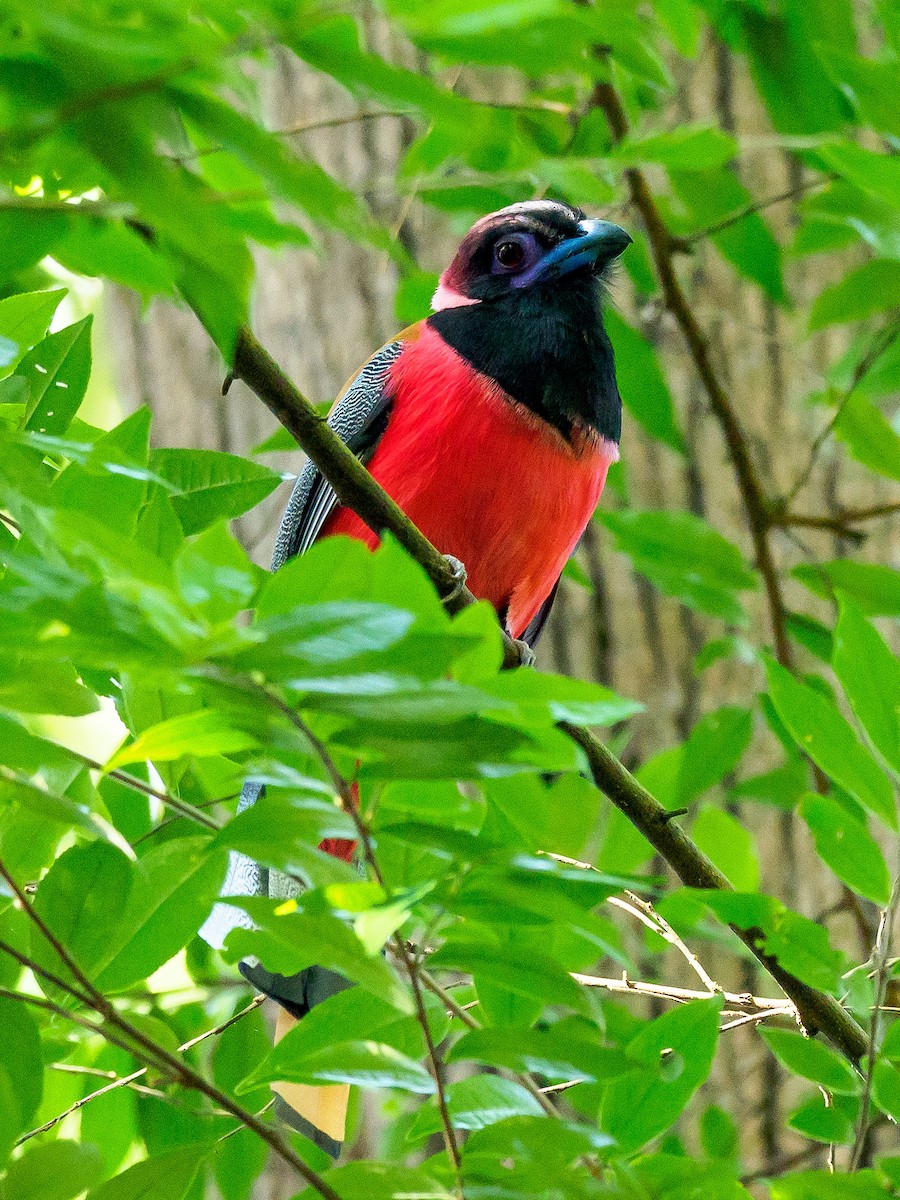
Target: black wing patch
<point>539,620</point>
<point>359,418</point>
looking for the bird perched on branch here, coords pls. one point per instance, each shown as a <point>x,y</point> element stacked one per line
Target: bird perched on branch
<point>492,423</point>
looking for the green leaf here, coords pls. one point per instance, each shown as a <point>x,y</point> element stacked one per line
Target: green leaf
<point>684,557</point>
<point>868,435</point>
<point>215,576</point>
<point>477,1102</point>
<point>44,687</point>
<point>874,588</point>
<point>821,732</point>
<point>201,733</point>
<point>570,1049</point>
<point>821,1122</point>
<point>289,941</point>
<point>847,847</point>
<point>719,1133</point>
<point>676,1052</point>
<point>24,320</point>
<point>166,1176</point>
<point>302,181</point>
<point>875,173</point>
<point>27,235</point>
<point>813,1060</point>
<point>686,148</point>
<point>798,94</point>
<point>799,944</point>
<point>864,291</point>
<point>870,675</point>
<point>175,885</point>
<point>57,371</point>
<point>21,1072</point>
<point>539,978</point>
<point>730,846</point>
<point>212,485</point>
<point>886,1088</point>
<point>364,1063</point>
<point>823,1185</point>
<point>645,392</point>
<point>53,1171</point>
<point>81,899</point>
<point>110,250</point>
<point>869,85</point>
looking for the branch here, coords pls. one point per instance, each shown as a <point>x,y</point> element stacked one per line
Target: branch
<point>356,489</point>
<point>128,1080</point>
<point>686,242</point>
<point>735,1002</point>
<point>353,485</point>
<point>176,1070</point>
<point>881,957</point>
<point>842,521</point>
<point>647,915</point>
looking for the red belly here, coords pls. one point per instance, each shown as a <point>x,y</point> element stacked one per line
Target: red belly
<point>483,478</point>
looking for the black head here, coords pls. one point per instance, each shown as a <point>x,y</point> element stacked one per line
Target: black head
<point>525,245</point>
<point>522,303</point>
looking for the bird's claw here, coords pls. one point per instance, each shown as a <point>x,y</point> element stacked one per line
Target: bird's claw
<point>526,654</point>
<point>459,577</point>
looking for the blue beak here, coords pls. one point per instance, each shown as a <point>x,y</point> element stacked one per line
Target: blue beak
<point>595,242</point>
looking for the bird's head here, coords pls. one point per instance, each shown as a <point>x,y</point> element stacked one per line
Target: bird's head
<point>527,245</point>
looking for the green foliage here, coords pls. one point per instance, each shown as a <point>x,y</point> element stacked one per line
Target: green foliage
<point>132,151</point>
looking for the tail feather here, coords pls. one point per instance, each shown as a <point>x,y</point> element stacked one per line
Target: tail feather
<point>319,1112</point>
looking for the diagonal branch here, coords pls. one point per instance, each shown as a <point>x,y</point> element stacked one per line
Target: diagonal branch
<point>118,1030</point>
<point>118,1081</point>
<point>356,489</point>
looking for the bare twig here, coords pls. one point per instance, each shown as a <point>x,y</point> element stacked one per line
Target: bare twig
<point>129,1080</point>
<point>880,344</point>
<point>647,914</point>
<point>117,1029</point>
<point>881,960</point>
<point>748,210</point>
<point>842,521</point>
<point>734,1002</point>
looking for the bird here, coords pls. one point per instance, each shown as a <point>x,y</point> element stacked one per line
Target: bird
<point>492,423</point>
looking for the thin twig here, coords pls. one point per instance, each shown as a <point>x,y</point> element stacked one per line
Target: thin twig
<point>168,1064</point>
<point>757,206</point>
<point>646,913</point>
<point>880,344</point>
<point>881,954</point>
<point>842,521</point>
<point>129,1080</point>
<point>734,1002</point>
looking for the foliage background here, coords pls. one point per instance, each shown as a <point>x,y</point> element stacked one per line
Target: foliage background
<point>155,118</point>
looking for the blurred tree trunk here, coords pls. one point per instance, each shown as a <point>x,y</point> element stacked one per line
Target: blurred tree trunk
<point>322,315</point>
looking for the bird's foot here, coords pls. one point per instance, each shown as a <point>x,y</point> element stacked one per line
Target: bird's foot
<point>459,577</point>
<point>526,654</point>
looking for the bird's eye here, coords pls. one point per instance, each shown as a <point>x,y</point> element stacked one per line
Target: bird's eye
<point>509,254</point>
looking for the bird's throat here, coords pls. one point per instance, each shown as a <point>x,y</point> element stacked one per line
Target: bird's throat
<point>547,349</point>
